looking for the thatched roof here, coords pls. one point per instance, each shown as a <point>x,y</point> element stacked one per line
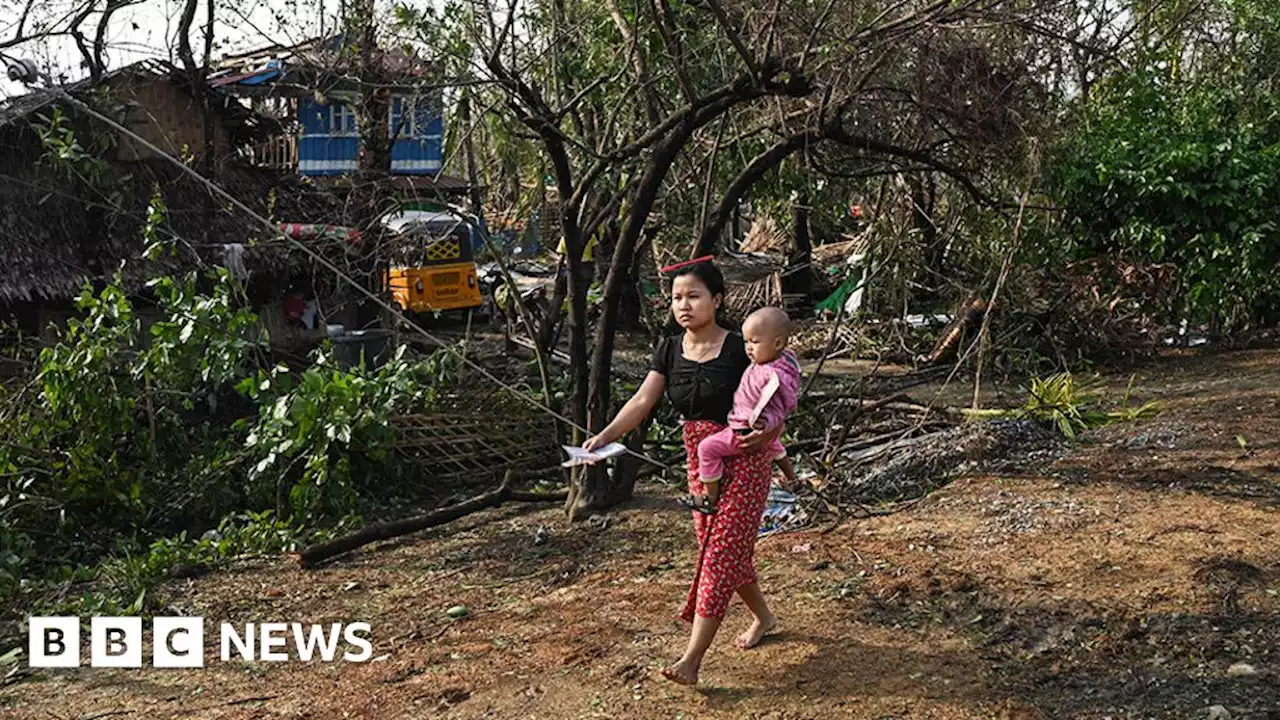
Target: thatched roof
<point>244,123</point>
<point>59,233</point>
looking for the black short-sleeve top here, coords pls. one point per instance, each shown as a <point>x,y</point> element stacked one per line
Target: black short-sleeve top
<point>702,391</point>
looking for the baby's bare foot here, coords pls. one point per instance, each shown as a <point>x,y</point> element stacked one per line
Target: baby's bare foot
<point>754,634</point>
<point>683,672</point>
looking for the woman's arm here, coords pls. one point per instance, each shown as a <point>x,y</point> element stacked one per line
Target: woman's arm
<point>634,412</point>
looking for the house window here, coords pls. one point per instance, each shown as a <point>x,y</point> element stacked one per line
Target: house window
<point>403,117</point>
<point>342,119</point>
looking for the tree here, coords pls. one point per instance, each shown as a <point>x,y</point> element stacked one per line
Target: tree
<point>621,131</point>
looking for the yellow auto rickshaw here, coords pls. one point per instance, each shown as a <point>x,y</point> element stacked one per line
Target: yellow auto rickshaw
<point>433,265</point>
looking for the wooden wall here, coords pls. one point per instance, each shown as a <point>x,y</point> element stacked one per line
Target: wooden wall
<point>167,117</point>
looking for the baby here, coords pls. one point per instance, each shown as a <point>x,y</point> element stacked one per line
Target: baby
<point>766,332</point>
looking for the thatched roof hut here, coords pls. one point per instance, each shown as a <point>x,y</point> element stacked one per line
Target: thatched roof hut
<point>78,219</point>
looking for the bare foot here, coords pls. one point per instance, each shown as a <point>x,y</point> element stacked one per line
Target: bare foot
<point>754,634</point>
<point>682,673</point>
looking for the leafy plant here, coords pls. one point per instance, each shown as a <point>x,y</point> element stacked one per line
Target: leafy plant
<point>1166,168</point>
<point>121,437</point>
<point>126,583</point>
<point>1069,406</point>
<point>64,151</point>
<point>321,433</point>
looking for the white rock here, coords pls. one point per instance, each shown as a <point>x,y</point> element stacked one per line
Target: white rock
<point>1217,712</point>
<point>1242,669</point>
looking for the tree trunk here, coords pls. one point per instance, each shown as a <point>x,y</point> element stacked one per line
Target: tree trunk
<point>799,281</point>
<point>712,230</point>
<point>373,174</point>
<point>316,554</point>
<point>469,150</point>
<point>933,245</point>
<point>628,468</point>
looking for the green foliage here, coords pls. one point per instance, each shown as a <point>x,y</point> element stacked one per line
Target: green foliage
<point>130,435</point>
<point>156,214</point>
<point>125,583</point>
<point>64,151</point>
<point>1070,406</point>
<point>320,433</point>
<point>110,437</point>
<point>1165,169</point>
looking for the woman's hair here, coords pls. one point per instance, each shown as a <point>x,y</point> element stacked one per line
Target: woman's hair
<point>706,272</point>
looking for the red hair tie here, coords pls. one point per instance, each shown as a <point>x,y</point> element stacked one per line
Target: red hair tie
<point>686,263</point>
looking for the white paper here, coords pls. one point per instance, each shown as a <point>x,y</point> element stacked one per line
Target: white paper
<point>580,456</point>
<point>766,394</point>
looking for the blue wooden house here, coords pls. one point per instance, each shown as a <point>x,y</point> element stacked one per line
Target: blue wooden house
<point>328,143</point>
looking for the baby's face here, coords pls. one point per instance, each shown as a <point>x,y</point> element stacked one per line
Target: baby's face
<point>764,343</point>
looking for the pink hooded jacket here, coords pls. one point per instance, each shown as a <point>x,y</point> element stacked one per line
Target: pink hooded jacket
<point>754,380</point>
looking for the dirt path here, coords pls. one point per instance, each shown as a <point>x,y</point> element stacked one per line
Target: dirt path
<point>1124,580</point>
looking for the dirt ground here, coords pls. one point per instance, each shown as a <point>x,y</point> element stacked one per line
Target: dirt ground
<point>1135,577</point>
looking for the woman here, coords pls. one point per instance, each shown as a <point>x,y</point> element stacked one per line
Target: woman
<point>699,371</point>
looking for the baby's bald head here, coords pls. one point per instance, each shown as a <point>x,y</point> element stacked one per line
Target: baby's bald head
<point>766,332</point>
<point>771,319</point>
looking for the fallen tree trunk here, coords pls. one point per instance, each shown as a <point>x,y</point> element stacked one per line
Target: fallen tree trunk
<point>320,552</point>
<point>948,345</point>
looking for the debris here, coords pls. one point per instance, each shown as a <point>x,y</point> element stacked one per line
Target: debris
<point>1242,669</point>
<point>348,587</point>
<point>1218,712</point>
<point>838,252</point>
<point>765,236</point>
<point>909,467</point>
<point>457,612</point>
<point>541,535</point>
<point>948,344</point>
<point>782,513</point>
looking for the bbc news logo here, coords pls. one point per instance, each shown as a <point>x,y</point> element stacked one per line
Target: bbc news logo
<point>178,642</point>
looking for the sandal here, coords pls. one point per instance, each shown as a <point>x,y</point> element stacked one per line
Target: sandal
<point>698,503</point>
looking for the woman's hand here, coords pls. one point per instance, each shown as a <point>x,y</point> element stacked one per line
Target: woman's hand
<point>757,439</point>
<point>633,413</point>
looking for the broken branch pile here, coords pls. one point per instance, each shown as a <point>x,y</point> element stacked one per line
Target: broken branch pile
<point>896,448</point>
<point>1096,309</point>
<point>908,467</point>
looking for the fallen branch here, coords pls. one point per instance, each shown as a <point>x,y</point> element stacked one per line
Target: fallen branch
<point>972,314</point>
<point>383,531</point>
<point>877,404</point>
<point>559,356</point>
<point>863,456</point>
<point>890,509</point>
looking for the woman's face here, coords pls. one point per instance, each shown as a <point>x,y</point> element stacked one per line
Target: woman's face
<point>692,304</point>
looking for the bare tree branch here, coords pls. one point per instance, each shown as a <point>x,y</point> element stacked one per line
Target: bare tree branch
<point>184,35</point>
<point>722,18</point>
<point>637,60</point>
<point>670,37</point>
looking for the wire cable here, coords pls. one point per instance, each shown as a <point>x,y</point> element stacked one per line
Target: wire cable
<point>338,272</point>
